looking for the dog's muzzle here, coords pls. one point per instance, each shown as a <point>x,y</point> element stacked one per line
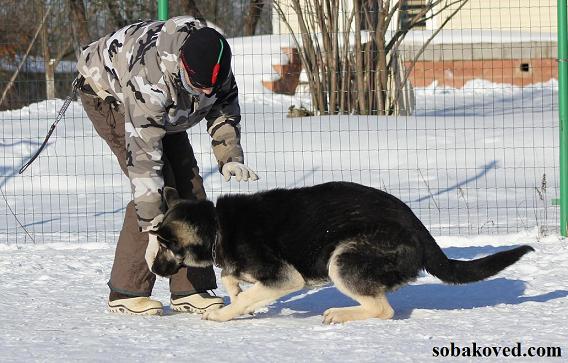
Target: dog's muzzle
<point>152,251</point>
<point>160,260</point>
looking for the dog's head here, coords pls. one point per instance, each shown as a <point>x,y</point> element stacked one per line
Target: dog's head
<point>184,238</point>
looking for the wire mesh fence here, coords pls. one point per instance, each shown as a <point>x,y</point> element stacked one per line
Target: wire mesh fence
<point>449,105</point>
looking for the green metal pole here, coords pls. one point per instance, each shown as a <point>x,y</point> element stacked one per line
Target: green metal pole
<point>563,104</point>
<point>163,10</point>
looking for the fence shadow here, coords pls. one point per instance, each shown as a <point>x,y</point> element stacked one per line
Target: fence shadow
<point>8,172</point>
<point>486,168</point>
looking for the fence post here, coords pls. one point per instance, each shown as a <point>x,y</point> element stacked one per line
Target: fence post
<point>163,10</point>
<point>563,112</point>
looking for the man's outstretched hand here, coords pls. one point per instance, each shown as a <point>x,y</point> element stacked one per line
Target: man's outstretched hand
<point>238,171</point>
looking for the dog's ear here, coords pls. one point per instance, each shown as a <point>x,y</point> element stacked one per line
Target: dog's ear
<point>171,196</point>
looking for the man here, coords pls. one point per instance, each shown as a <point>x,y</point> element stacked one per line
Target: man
<point>142,87</point>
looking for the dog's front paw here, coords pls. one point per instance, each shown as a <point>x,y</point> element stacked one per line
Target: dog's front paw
<point>220,315</point>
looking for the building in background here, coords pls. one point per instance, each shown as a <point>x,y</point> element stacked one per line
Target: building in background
<point>502,41</point>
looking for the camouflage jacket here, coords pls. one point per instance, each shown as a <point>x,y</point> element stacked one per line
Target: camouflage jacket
<point>138,66</point>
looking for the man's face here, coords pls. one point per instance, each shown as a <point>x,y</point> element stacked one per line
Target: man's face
<point>183,73</point>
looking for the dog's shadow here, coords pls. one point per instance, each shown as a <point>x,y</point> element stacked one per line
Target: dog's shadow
<point>439,296</point>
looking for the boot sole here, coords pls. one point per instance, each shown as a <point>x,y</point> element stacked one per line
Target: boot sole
<point>121,309</point>
<point>187,307</point>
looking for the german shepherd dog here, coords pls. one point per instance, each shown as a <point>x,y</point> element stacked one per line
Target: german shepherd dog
<point>365,241</point>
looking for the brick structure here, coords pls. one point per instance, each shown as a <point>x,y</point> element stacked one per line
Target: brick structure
<point>454,64</point>
<point>289,73</point>
<point>519,63</point>
<point>455,73</point>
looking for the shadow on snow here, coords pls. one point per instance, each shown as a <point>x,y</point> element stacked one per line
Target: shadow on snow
<point>439,296</point>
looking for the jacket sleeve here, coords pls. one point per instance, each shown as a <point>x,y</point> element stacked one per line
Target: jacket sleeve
<point>223,124</point>
<point>144,130</point>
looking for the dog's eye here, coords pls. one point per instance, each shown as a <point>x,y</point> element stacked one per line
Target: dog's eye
<point>164,242</point>
<point>170,244</point>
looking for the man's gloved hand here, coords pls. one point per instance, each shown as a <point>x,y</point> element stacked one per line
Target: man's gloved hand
<point>239,171</point>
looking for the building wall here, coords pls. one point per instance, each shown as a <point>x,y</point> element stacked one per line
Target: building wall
<point>516,15</point>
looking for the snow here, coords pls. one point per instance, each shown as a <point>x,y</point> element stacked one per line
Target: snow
<point>54,299</point>
<point>468,163</point>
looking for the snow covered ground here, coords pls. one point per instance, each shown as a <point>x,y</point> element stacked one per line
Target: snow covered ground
<point>470,163</point>
<point>54,296</point>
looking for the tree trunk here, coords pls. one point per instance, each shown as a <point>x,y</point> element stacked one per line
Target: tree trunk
<point>114,11</point>
<point>189,7</point>
<point>47,61</point>
<point>360,85</point>
<point>215,10</point>
<point>252,17</point>
<point>50,79</point>
<point>79,25</point>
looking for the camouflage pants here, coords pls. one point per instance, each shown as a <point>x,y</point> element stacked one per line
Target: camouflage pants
<point>130,274</point>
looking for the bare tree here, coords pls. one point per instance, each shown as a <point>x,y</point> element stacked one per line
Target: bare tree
<point>25,57</point>
<point>233,17</point>
<point>125,12</point>
<point>79,25</point>
<point>189,7</point>
<point>54,45</point>
<point>116,16</point>
<point>252,16</point>
<point>15,35</point>
<point>351,54</point>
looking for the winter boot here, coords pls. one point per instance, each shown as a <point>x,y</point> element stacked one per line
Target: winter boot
<point>198,303</point>
<point>139,305</point>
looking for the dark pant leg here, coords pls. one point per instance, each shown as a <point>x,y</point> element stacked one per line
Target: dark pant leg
<point>182,173</point>
<point>130,274</point>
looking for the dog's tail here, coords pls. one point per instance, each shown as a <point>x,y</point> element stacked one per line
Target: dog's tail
<point>461,272</point>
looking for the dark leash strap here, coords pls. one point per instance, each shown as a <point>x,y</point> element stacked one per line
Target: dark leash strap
<point>77,83</point>
<point>214,248</point>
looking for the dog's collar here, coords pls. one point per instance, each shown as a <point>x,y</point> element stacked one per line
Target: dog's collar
<point>214,249</point>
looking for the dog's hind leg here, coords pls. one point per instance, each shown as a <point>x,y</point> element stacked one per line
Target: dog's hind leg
<point>258,295</point>
<point>371,307</point>
<point>370,296</point>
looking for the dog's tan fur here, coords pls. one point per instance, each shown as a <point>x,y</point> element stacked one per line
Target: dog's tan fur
<point>255,297</point>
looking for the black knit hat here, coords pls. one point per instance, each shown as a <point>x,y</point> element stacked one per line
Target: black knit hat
<point>206,56</point>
